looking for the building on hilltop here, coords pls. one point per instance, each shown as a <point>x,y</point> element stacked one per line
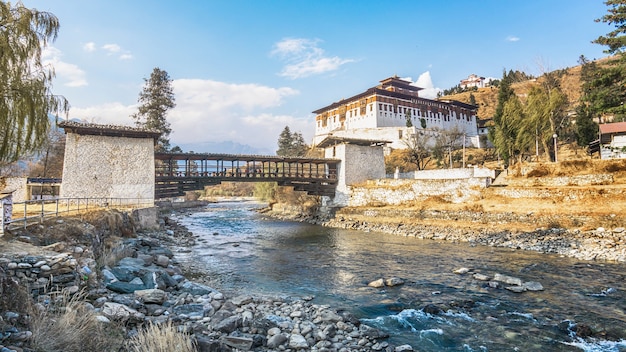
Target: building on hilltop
<point>473,81</point>
<point>384,111</point>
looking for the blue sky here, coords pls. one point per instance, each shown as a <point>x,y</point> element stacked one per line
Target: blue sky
<point>243,70</point>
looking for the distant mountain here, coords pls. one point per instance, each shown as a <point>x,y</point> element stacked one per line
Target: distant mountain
<point>226,147</point>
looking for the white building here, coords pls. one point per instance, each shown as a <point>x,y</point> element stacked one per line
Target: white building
<point>473,81</point>
<point>381,113</point>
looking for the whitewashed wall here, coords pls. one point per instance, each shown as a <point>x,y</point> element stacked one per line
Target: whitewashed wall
<point>108,167</point>
<point>18,186</point>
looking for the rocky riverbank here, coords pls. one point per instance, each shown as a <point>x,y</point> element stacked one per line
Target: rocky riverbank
<point>140,282</point>
<point>598,244</point>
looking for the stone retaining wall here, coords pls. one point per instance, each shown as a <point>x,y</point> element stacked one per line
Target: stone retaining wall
<point>560,181</point>
<point>395,192</point>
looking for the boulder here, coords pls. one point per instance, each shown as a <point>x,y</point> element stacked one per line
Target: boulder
<point>120,312</point>
<point>377,283</point>
<point>510,280</point>
<point>237,342</point>
<point>533,286</point>
<point>151,296</point>
<point>277,340</point>
<point>461,271</point>
<point>297,341</point>
<point>481,277</point>
<point>394,281</point>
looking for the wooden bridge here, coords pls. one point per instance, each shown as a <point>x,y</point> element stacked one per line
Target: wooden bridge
<point>180,172</point>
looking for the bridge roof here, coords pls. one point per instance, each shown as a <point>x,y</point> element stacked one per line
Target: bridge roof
<point>235,157</point>
<point>108,130</point>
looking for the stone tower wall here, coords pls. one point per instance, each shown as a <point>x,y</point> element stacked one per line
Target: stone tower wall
<point>108,167</point>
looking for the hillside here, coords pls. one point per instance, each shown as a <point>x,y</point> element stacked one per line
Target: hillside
<point>487,98</point>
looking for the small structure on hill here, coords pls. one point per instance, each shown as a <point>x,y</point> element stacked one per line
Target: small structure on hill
<point>361,160</point>
<point>612,141</point>
<point>108,161</point>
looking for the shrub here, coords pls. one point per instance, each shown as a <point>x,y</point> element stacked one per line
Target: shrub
<point>161,338</point>
<point>539,171</point>
<point>67,325</point>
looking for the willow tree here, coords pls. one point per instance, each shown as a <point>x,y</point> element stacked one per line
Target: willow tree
<point>546,114</point>
<point>26,98</point>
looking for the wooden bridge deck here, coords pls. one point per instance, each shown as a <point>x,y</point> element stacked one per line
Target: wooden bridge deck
<point>180,172</point>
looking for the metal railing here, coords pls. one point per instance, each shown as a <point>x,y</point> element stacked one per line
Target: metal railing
<point>36,211</point>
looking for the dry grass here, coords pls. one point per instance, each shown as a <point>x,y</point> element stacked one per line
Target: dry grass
<point>161,338</point>
<point>67,325</point>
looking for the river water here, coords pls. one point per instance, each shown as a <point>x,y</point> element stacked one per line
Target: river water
<point>242,252</point>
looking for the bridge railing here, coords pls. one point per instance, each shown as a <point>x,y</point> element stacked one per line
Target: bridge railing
<point>36,211</point>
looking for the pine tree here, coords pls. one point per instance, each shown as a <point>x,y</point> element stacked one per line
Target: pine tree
<point>26,96</point>
<point>291,144</point>
<point>284,142</point>
<point>156,98</point>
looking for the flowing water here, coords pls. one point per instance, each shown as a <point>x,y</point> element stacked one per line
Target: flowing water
<point>242,252</point>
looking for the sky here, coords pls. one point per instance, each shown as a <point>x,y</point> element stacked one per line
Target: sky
<point>242,70</point>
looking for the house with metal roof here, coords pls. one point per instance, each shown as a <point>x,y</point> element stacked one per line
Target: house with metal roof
<point>612,141</point>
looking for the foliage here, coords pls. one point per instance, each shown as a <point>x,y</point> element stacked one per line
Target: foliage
<point>291,144</point>
<point>68,325</point>
<point>604,86</point>
<point>265,191</point>
<point>25,83</point>
<point>50,163</point>
<point>161,338</point>
<point>409,122</point>
<point>616,39</point>
<point>155,99</point>
<point>419,149</point>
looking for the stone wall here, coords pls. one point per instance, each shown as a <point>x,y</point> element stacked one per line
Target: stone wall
<point>578,180</point>
<point>395,192</point>
<point>16,184</point>
<point>108,167</point>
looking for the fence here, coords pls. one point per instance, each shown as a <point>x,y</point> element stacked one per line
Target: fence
<point>36,211</point>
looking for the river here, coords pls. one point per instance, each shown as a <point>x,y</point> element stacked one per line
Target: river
<point>241,252</point>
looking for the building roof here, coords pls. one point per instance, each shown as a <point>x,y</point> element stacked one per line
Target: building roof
<point>397,82</point>
<point>108,130</point>
<point>334,140</point>
<point>616,127</point>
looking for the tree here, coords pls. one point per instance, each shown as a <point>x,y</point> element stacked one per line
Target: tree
<point>291,144</point>
<point>446,141</point>
<point>502,133</point>
<point>26,97</point>
<point>156,98</point>
<point>409,122</point>
<point>604,86</point>
<point>615,39</point>
<point>50,163</point>
<point>419,149</point>
<point>472,99</point>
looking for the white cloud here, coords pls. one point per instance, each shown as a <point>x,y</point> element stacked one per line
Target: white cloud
<point>304,58</point>
<point>512,38</point>
<point>216,111</point>
<point>70,74</point>
<point>211,111</point>
<point>110,113</point>
<point>111,48</point>
<point>114,49</point>
<point>89,47</point>
<point>425,81</point>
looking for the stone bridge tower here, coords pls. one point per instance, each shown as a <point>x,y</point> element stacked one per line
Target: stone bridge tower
<point>107,161</point>
<point>361,160</point>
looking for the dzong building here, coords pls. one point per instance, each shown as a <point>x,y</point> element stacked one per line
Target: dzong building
<point>381,113</point>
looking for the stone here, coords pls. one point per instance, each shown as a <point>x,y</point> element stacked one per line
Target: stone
<point>516,289</point>
<point>394,281</point>
<point>151,296</point>
<point>241,300</point>
<point>431,309</point>
<point>618,230</point>
<point>124,287</point>
<point>508,279</point>
<point>229,324</point>
<point>481,277</point>
<point>297,341</point>
<point>533,286</point>
<point>403,348</point>
<point>120,312</point>
<point>24,266</point>
<point>39,264</point>
<point>461,271</point>
<point>195,288</point>
<point>330,316</point>
<point>102,319</point>
<point>273,331</point>
<point>12,266</point>
<point>240,343</point>
<point>377,283</point>
<point>190,310</point>
<point>277,340</point>
<point>162,261</point>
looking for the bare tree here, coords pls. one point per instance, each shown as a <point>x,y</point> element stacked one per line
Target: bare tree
<point>419,149</point>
